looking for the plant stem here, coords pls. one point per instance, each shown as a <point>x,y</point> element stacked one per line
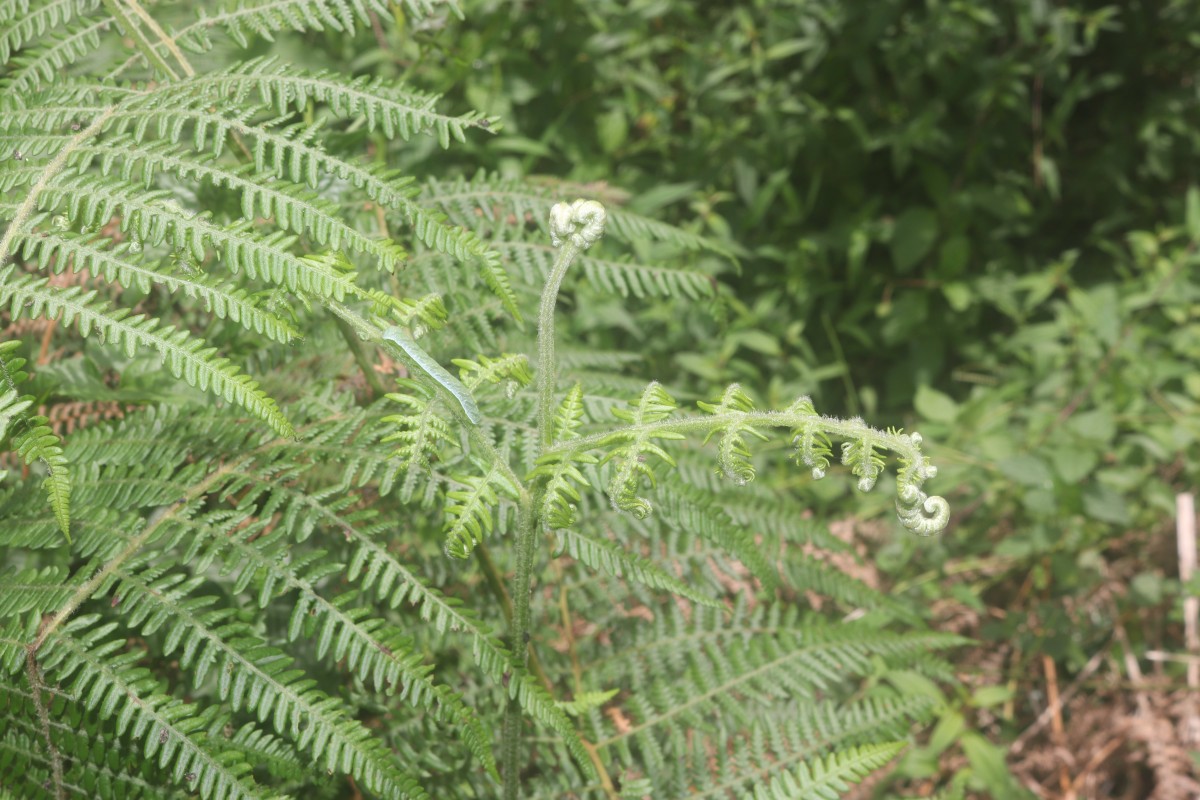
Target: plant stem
<point>511,728</point>
<point>360,356</point>
<point>547,368</point>
<point>526,528</point>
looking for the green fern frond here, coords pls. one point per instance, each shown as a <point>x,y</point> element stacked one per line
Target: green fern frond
<point>38,443</point>
<point>377,570</point>
<point>39,65</point>
<point>495,199</point>
<point>569,415</point>
<point>633,447</point>
<point>29,589</point>
<point>23,23</point>
<point>12,408</point>
<point>508,367</point>
<point>861,456</point>
<point>290,206</point>
<point>121,264</point>
<point>469,510</point>
<point>562,481</point>
<point>831,776</point>
<point>612,559</point>
<point>397,113</point>
<point>813,448</point>
<point>171,730</point>
<point>242,19</point>
<point>421,433</point>
<point>622,278</point>
<point>32,439</point>
<point>694,511</point>
<point>734,459</point>
<point>183,355</point>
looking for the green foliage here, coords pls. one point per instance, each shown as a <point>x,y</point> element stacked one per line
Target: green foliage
<point>263,607</point>
<point>31,438</point>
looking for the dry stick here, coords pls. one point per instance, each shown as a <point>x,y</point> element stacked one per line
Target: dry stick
<point>1055,707</point>
<point>1056,726</point>
<point>1185,540</point>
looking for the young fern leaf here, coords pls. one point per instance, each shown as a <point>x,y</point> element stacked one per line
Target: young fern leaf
<point>421,433</point>
<point>559,472</point>
<point>634,444</point>
<point>469,510</point>
<point>813,448</point>
<point>513,368</point>
<point>861,456</point>
<point>570,416</point>
<point>734,459</point>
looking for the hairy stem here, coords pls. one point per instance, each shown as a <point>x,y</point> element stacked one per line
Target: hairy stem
<point>130,28</point>
<point>546,367</point>
<point>53,168</point>
<point>522,585</point>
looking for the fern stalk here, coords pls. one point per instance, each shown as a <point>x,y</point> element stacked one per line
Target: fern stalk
<point>574,228</point>
<point>53,168</point>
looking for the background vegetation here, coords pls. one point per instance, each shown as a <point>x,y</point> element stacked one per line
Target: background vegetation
<point>976,219</point>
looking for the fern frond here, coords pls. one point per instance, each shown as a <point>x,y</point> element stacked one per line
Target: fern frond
<point>734,459</point>
<point>495,199</point>
<point>22,23</point>
<point>33,440</point>
<point>244,19</point>
<point>622,278</point>
<point>183,355</point>
<point>694,511</point>
<point>253,675</point>
<point>562,481</point>
<point>633,447</point>
<point>377,570</point>
<point>509,367</point>
<point>469,510</point>
<point>37,66</point>
<point>397,113</point>
<point>121,264</point>
<point>33,589</point>
<point>291,206</point>
<point>813,448</point>
<point>12,408</point>
<point>830,776</point>
<point>863,459</point>
<point>609,557</point>
<point>172,731</point>
<point>420,433</point>
<point>38,443</point>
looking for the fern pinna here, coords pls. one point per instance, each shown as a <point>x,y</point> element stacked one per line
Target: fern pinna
<point>358,574</point>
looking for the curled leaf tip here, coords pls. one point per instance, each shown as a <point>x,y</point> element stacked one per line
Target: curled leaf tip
<point>582,222</point>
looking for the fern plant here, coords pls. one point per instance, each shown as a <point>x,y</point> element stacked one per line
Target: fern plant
<point>249,589</point>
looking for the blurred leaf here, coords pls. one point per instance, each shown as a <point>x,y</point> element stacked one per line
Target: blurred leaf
<point>934,405</point>
<point>1027,470</point>
<point>915,231</point>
